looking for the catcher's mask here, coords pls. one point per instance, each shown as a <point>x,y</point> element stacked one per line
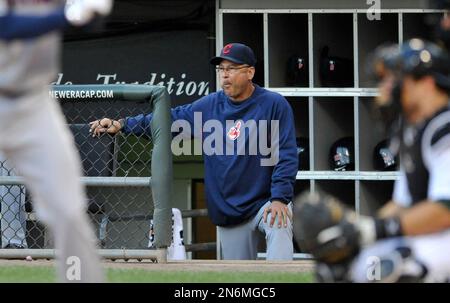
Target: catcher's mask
<point>316,217</point>
<point>389,64</point>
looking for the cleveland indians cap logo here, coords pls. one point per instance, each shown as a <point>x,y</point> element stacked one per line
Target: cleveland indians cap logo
<point>227,49</point>
<point>235,131</point>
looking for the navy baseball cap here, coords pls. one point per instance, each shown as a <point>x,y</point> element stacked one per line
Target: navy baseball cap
<point>237,53</point>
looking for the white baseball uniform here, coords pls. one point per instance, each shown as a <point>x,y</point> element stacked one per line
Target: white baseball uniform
<point>425,155</point>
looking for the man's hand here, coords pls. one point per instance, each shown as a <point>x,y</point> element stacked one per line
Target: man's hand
<point>278,210</point>
<point>82,12</point>
<point>105,125</point>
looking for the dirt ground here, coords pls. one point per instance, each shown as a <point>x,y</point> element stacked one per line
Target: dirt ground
<point>190,265</point>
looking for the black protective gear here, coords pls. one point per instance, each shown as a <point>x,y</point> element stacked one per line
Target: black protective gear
<point>324,228</point>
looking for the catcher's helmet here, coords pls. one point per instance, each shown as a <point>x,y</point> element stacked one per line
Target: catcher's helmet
<point>303,153</point>
<point>342,154</point>
<point>416,58</point>
<point>420,58</point>
<point>383,158</point>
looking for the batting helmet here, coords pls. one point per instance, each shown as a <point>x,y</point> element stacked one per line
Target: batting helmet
<point>342,156</point>
<point>383,158</point>
<point>303,153</point>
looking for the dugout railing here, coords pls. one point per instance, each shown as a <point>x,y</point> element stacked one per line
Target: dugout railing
<point>129,178</point>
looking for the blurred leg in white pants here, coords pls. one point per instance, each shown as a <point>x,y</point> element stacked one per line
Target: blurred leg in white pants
<point>36,139</point>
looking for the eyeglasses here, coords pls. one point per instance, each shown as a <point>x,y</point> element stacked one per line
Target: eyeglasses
<point>230,69</point>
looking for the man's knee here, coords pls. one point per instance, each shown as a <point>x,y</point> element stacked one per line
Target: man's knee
<point>279,241</point>
<point>277,233</point>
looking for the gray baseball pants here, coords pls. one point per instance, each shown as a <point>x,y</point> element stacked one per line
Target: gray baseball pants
<point>240,242</point>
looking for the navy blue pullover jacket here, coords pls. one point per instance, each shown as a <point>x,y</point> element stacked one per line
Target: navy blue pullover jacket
<point>237,185</point>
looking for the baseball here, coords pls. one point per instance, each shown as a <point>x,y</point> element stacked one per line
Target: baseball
<point>29,258</point>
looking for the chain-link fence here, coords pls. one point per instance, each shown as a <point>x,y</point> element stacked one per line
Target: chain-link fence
<point>117,168</point>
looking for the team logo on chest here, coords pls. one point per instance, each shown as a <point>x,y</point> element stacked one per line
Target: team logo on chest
<point>235,131</point>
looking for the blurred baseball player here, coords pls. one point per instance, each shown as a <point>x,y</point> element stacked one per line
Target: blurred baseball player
<point>33,131</point>
<point>409,240</point>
